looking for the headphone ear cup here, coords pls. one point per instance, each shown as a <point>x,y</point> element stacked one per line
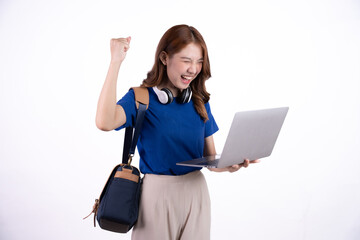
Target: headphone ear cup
<point>164,95</point>
<point>169,96</point>
<point>185,95</point>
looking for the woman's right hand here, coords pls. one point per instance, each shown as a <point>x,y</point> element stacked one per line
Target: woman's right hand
<point>118,48</point>
<point>109,115</point>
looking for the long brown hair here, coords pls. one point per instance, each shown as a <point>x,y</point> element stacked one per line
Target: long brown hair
<point>172,42</point>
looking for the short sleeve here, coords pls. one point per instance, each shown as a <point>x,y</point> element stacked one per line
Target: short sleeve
<point>210,125</point>
<point>128,104</point>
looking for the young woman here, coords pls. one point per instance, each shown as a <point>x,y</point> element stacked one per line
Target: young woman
<point>178,126</point>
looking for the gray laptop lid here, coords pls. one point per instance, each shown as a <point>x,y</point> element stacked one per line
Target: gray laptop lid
<point>252,135</point>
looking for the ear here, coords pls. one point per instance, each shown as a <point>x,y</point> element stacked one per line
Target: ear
<point>163,57</point>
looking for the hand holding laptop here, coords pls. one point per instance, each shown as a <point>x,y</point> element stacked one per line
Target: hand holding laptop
<point>235,167</point>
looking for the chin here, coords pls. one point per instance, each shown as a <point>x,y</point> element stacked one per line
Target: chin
<point>183,86</point>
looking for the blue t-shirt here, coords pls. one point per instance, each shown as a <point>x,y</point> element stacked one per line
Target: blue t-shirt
<point>171,133</point>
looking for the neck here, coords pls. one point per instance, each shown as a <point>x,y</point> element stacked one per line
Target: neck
<point>175,91</point>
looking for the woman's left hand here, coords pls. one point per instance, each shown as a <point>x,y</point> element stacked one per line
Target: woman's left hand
<point>235,167</point>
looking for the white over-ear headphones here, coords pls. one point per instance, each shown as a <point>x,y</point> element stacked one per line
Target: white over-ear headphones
<point>165,96</point>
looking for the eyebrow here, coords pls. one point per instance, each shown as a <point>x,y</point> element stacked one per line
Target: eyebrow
<point>187,58</point>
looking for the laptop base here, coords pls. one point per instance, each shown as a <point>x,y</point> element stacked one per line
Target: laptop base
<point>208,162</point>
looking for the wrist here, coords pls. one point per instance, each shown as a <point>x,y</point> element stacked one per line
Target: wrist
<point>115,63</point>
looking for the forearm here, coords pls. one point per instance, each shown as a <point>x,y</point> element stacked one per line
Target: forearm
<point>209,150</point>
<point>106,108</point>
<point>209,146</point>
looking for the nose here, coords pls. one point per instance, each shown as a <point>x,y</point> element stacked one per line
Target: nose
<point>192,68</point>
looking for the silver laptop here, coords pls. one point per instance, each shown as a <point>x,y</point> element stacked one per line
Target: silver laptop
<point>252,136</point>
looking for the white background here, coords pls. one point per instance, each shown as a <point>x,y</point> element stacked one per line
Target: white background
<point>54,57</point>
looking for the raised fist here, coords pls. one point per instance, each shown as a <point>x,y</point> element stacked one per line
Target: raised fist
<point>118,48</point>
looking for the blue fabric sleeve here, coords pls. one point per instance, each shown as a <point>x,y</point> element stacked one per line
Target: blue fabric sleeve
<point>210,126</point>
<point>128,104</point>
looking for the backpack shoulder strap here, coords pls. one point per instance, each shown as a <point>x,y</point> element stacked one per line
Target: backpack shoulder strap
<point>141,96</point>
<point>130,138</point>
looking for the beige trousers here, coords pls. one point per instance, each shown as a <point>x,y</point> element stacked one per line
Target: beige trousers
<point>174,207</point>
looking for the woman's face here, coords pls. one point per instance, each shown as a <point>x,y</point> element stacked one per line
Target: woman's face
<point>183,67</point>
